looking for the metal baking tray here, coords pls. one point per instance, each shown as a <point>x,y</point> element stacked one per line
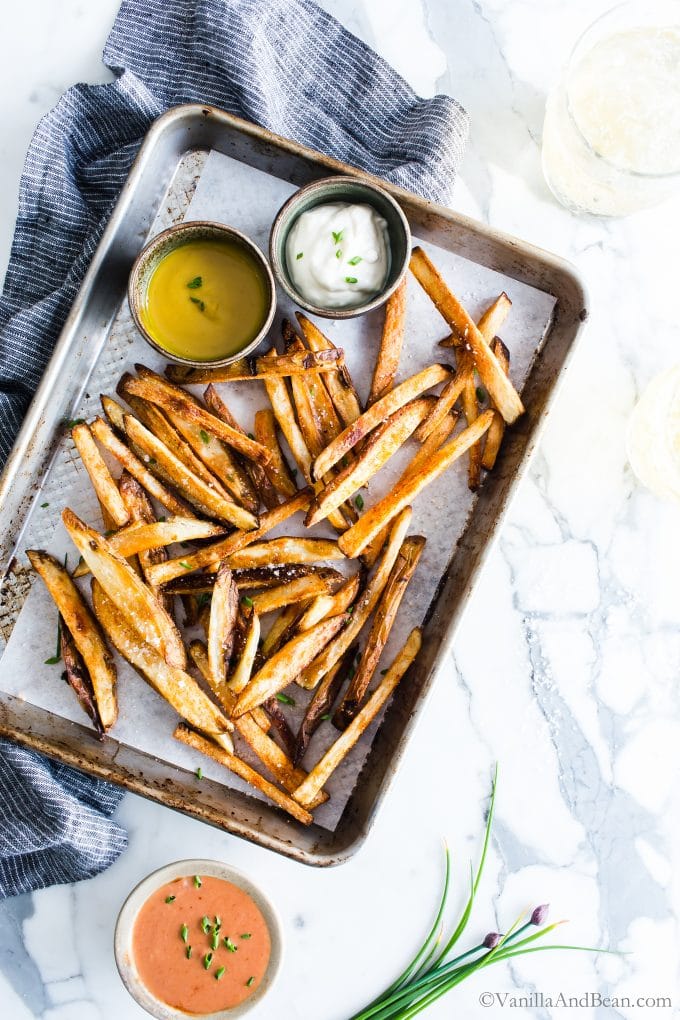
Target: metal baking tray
<point>181,138</point>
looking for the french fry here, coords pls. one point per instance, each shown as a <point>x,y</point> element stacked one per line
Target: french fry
<point>436,438</point>
<point>238,540</point>
<point>447,398</point>
<point>377,413</point>
<point>142,512</point>
<point>382,444</point>
<point>221,629</point>
<point>174,400</point>
<point>383,620</point>
<point>320,774</point>
<point>394,329</point>
<point>363,607</point>
<point>244,771</point>
<point>490,372</point>
<point>277,470</point>
<point>285,550</point>
<point>201,496</point>
<point>339,384</point>
<point>126,590</point>
<point>247,579</point>
<point>470,407</point>
<point>100,476</point>
<point>489,323</point>
<point>280,628</point>
<point>408,487</point>
<point>139,537</point>
<point>277,392</point>
<point>105,435</point>
<point>322,702</point>
<point>279,764</point>
<point>324,606</point>
<point>494,436</point>
<point>286,664</point>
<point>114,412</point>
<point>77,677</point>
<point>292,592</point>
<point>85,630</point>
<point>185,376</point>
<point>301,363</point>
<point>369,556</point>
<point>172,683</point>
<point>226,698</point>
<point>244,667</point>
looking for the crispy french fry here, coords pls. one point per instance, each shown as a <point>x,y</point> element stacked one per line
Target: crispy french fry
<point>301,363</point>
<point>286,664</point>
<point>138,603</point>
<point>339,384</point>
<point>185,376</point>
<point>100,476</point>
<point>382,444</point>
<point>489,323</point>
<point>171,398</point>
<point>202,496</point>
<point>292,592</point>
<point>286,550</point>
<point>363,607</point>
<point>394,329</point>
<point>139,537</point>
<point>225,696</point>
<point>369,556</point>
<point>175,685</point>
<point>322,771</point>
<point>245,771</point>
<point>436,438</point>
<point>142,512</point>
<point>282,626</point>
<point>221,629</point>
<point>470,406</point>
<point>277,470</point>
<point>324,606</point>
<point>110,441</point>
<point>322,702</point>
<point>447,398</point>
<point>493,378</point>
<point>494,436</point>
<point>86,632</point>
<point>244,667</point>
<point>408,487</point>
<point>238,540</point>
<point>247,578</point>
<point>383,620</point>
<point>78,678</point>
<point>277,391</point>
<point>377,413</point>
<point>113,411</point>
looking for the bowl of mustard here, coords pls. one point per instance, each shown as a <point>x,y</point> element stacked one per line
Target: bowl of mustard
<point>202,294</point>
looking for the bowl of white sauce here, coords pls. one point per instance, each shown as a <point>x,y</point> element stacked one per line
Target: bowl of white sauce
<point>339,247</point>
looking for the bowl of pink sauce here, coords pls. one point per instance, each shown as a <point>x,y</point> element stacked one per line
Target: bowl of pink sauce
<point>197,938</point>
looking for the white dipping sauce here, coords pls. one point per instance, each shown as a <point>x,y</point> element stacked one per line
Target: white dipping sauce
<point>338,254</point>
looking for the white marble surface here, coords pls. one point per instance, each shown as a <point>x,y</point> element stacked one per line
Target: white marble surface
<point>576,695</point>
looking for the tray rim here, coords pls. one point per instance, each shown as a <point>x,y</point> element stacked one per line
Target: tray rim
<point>184,119</point>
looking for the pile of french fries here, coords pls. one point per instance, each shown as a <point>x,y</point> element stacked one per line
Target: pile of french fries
<point>262,615</point>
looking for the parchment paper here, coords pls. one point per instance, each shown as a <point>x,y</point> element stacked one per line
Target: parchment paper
<point>248,199</point>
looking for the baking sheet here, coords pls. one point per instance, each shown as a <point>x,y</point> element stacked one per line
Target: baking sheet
<point>248,199</point>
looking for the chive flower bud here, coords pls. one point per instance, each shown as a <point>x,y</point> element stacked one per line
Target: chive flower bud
<point>491,940</point>
<point>540,913</point>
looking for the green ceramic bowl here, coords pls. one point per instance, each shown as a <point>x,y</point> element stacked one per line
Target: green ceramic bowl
<point>341,189</point>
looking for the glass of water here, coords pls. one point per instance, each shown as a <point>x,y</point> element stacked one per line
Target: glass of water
<point>611,137</point>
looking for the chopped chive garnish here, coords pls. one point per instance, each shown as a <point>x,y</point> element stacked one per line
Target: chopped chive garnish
<point>325,716</point>
<point>204,436</point>
<point>196,282</point>
<point>383,672</point>
<point>183,563</point>
<point>199,772</point>
<point>481,394</point>
<point>350,279</point>
<point>338,253</point>
<point>251,436</point>
<point>205,925</point>
<point>299,256</point>
<point>70,423</point>
<point>218,923</point>
<point>162,519</point>
<point>207,960</point>
<point>355,261</point>
<point>197,881</point>
<point>337,237</point>
<point>203,599</point>
<point>285,699</point>
<point>247,935</point>
<point>215,940</point>
<point>359,502</point>
<point>249,982</point>
<point>184,933</point>
<point>231,946</point>
<point>350,610</point>
<point>151,460</point>
<point>197,301</point>
<point>169,899</point>
<point>247,601</point>
<point>54,659</point>
<point>219,973</point>
<point>43,505</point>
<point>188,952</point>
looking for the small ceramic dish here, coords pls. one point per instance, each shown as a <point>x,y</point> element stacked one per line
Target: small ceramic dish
<point>138,897</point>
<point>161,245</point>
<point>351,190</point>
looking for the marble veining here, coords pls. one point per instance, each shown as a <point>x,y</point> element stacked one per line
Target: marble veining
<point>575,693</point>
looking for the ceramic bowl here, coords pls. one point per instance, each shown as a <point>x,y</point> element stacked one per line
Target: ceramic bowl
<point>136,899</point>
<point>173,237</point>
<point>341,189</point>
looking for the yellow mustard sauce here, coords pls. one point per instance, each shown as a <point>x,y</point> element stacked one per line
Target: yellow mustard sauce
<point>205,300</point>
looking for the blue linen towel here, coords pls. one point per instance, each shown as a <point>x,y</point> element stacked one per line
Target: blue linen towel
<point>284,64</point>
